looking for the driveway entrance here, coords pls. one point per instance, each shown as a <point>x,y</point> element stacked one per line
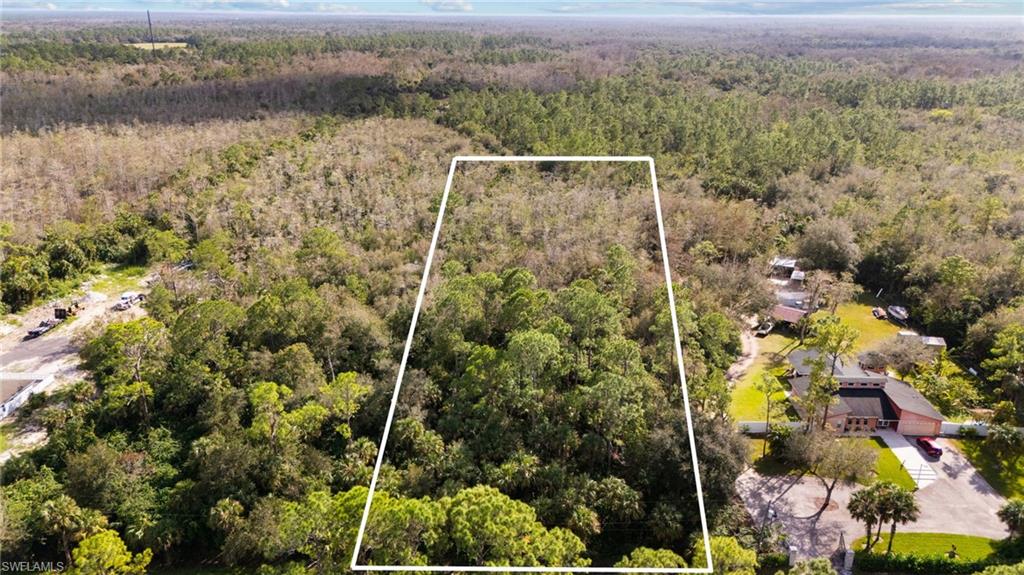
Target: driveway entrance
<point>919,468</point>
<point>956,500</point>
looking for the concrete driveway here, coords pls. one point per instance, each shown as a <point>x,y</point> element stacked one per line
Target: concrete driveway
<point>957,501</point>
<point>913,459</point>
<point>795,502</point>
<point>960,500</point>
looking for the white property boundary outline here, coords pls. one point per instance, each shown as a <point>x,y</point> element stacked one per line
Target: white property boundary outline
<point>405,358</point>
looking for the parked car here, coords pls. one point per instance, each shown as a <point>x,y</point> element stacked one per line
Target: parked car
<point>929,446</point>
<point>127,300</point>
<point>43,327</point>
<point>879,313</point>
<point>765,328</point>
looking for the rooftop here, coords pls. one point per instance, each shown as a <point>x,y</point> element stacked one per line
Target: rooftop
<point>781,262</point>
<point>854,402</point>
<point>788,314</point>
<point>862,401</point>
<point>13,382</point>
<point>801,360</point>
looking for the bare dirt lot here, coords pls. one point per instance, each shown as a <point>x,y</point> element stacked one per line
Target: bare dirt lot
<point>55,352</point>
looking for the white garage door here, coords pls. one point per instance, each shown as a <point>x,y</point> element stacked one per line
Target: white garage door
<point>917,428</point>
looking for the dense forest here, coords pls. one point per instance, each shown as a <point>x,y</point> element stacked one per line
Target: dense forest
<point>296,170</point>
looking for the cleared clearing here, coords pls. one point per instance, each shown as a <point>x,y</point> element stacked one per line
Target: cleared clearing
<point>158,45</point>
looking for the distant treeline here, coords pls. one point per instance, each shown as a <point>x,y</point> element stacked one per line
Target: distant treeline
<point>34,53</point>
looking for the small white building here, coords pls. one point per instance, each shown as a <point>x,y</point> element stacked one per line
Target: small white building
<point>16,388</point>
<point>931,342</point>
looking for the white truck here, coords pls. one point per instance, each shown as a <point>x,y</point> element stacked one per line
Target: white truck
<point>127,300</point>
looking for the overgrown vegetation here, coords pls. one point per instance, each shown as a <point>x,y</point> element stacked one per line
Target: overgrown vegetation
<point>298,168</point>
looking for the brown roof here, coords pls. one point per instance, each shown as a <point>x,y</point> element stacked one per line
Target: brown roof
<point>904,396</point>
<point>864,402</point>
<point>788,314</point>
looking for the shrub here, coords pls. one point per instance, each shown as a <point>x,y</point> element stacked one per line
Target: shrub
<point>916,564</point>
<point>770,562</point>
<point>778,436</point>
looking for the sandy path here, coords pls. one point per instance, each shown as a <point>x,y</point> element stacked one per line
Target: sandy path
<point>750,349</point>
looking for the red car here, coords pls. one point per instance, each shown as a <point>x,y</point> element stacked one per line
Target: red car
<point>929,446</point>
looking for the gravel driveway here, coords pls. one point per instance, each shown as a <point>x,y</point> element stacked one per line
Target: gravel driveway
<point>958,501</point>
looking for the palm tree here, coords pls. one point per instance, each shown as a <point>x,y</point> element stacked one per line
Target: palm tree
<point>866,505</point>
<point>1012,514</point>
<point>61,516</point>
<point>899,507</point>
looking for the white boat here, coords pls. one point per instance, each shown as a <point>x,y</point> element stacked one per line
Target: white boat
<point>898,313</point>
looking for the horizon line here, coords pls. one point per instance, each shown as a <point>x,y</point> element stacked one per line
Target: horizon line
<point>539,15</point>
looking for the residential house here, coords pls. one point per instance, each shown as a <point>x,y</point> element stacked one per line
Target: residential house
<point>867,400</point>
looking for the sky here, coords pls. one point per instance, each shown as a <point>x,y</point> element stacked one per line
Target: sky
<point>552,7</point>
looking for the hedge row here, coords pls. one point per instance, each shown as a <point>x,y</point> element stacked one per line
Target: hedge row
<point>917,564</point>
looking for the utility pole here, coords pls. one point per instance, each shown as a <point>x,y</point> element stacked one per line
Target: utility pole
<point>152,41</point>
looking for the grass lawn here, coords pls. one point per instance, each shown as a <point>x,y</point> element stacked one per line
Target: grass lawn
<point>1006,479</point>
<point>114,279</point>
<point>748,404</point>
<point>887,467</point>
<point>857,314</point>
<point>967,546</point>
<point>767,465</point>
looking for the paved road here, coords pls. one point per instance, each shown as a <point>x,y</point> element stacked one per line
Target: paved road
<point>44,351</point>
<point>960,500</point>
<point>55,353</point>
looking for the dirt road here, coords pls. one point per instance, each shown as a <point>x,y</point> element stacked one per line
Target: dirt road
<point>749,352</point>
<point>55,352</point>
<point>46,354</point>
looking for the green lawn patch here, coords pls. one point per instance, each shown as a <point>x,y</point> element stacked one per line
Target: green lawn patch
<point>768,464</point>
<point>888,466</point>
<point>1007,479</point>
<point>747,403</point>
<point>968,547</point>
<point>857,314</point>
<point>755,446</point>
<point>114,279</point>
